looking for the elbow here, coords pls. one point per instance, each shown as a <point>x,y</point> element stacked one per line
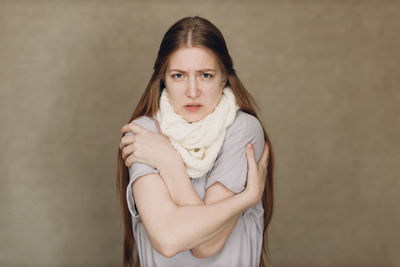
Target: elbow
<point>198,253</point>
<point>168,252</point>
<point>163,236</point>
<point>168,249</point>
<point>202,251</point>
<point>166,245</point>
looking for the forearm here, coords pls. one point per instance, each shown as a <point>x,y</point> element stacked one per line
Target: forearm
<point>183,193</point>
<point>194,225</point>
<point>178,182</point>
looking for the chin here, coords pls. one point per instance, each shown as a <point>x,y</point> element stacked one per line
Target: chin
<point>193,118</point>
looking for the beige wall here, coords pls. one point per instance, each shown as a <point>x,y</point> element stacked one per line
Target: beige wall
<point>325,73</point>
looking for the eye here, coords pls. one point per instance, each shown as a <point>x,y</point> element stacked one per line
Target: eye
<point>207,75</point>
<point>175,75</point>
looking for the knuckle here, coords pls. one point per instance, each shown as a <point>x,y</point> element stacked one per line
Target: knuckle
<point>127,153</point>
<point>128,141</point>
<point>121,144</point>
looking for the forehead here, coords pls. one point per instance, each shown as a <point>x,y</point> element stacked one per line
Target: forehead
<point>188,58</point>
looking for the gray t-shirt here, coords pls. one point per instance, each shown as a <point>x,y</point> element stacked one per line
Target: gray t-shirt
<point>243,247</point>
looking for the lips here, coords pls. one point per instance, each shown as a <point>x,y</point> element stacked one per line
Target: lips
<point>193,105</point>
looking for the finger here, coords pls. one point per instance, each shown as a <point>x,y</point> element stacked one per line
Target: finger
<point>250,156</point>
<point>130,160</point>
<point>127,151</point>
<point>121,129</point>
<point>265,155</point>
<point>134,128</point>
<point>126,140</point>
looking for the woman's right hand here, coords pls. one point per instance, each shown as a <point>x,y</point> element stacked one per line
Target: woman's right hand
<point>256,173</point>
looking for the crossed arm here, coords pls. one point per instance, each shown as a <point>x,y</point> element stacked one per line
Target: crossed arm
<point>171,228</point>
<point>174,216</point>
<point>183,194</point>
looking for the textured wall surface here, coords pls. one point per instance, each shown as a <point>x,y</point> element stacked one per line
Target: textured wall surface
<point>325,74</point>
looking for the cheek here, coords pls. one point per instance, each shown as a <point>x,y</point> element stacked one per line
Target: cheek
<point>175,99</point>
<point>214,99</point>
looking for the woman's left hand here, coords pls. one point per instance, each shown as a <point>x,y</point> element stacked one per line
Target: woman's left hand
<point>145,146</point>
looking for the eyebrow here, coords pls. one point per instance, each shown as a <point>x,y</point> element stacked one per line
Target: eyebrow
<point>202,70</point>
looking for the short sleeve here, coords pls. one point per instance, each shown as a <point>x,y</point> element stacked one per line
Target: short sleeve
<point>230,167</point>
<point>138,169</point>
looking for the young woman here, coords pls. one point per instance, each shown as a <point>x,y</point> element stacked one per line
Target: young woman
<point>193,193</point>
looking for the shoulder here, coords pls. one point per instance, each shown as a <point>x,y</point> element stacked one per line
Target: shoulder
<point>245,126</point>
<point>147,122</point>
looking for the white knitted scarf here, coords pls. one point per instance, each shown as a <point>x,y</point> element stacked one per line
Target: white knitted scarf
<point>199,142</point>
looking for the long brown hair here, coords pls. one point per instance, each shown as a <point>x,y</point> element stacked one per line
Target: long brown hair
<point>188,32</point>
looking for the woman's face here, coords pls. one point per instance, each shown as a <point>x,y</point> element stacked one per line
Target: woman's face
<point>193,77</point>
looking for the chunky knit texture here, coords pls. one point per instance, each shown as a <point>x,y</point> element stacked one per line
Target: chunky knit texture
<point>199,142</point>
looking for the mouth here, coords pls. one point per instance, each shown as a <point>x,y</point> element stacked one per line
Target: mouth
<point>193,107</point>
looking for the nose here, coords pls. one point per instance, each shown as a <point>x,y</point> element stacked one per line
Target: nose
<point>192,90</point>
